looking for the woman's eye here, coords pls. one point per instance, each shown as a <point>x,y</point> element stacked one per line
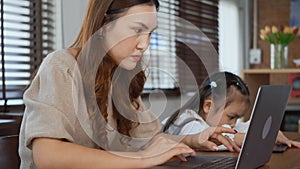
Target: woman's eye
<point>138,30</point>
<point>153,33</point>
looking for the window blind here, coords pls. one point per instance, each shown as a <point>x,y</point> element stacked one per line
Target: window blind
<point>177,47</point>
<point>163,69</point>
<point>26,37</point>
<point>198,50</point>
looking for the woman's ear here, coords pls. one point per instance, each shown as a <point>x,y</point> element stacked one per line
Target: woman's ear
<point>207,105</point>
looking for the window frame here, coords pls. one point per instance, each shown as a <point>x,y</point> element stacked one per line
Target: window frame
<point>36,23</point>
<point>204,15</point>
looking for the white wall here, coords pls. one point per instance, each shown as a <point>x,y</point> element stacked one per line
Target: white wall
<point>231,36</point>
<point>231,43</point>
<point>70,16</point>
<point>231,46</point>
<point>68,26</point>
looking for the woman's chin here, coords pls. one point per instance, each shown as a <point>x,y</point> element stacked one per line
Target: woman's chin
<point>128,66</point>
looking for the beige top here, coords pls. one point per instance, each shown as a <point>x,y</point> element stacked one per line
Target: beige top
<point>50,110</point>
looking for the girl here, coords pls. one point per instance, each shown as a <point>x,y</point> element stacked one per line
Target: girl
<point>224,99</point>
<point>83,107</point>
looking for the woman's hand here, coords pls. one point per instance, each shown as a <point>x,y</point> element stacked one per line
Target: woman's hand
<point>161,149</point>
<point>239,138</point>
<point>211,137</point>
<point>281,138</point>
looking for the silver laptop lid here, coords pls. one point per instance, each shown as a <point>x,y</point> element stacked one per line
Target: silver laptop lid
<point>266,118</point>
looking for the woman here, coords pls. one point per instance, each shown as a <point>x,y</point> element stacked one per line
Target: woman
<point>83,108</point>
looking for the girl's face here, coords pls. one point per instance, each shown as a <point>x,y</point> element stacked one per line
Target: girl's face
<point>230,113</point>
<point>128,37</point>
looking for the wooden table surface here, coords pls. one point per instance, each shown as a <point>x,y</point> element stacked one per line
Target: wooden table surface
<point>9,127</point>
<point>290,159</point>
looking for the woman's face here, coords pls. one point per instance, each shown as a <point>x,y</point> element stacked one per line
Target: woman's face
<point>129,36</point>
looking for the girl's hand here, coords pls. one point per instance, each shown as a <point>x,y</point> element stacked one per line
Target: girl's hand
<point>161,149</point>
<point>281,138</point>
<point>211,137</point>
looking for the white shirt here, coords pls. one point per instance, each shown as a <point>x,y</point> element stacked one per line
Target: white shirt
<point>189,122</point>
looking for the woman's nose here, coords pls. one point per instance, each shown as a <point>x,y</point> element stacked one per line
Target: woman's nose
<point>143,42</point>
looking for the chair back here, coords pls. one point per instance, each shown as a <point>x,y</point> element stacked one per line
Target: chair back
<point>9,156</point>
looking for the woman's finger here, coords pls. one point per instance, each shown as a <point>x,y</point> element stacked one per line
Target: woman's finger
<point>234,145</point>
<point>225,141</point>
<point>218,130</point>
<point>179,151</point>
<point>173,152</point>
<point>212,136</point>
<point>163,149</point>
<point>181,157</point>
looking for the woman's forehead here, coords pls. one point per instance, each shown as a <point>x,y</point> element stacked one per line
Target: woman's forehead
<point>143,13</point>
<point>141,8</point>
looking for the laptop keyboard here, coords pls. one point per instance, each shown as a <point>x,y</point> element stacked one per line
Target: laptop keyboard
<point>201,161</point>
<point>221,163</point>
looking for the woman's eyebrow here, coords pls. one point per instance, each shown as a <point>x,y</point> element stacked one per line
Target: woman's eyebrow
<point>145,26</point>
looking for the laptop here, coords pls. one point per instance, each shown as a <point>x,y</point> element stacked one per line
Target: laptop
<point>266,118</point>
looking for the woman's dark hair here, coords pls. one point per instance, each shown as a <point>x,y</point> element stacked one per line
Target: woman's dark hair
<point>99,12</point>
<point>137,77</point>
<point>119,6</point>
<point>216,87</point>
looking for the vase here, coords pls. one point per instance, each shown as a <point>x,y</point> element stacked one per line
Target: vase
<point>279,56</point>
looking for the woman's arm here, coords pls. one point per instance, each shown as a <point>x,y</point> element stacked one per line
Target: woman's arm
<point>53,153</point>
<point>56,154</point>
<point>208,139</point>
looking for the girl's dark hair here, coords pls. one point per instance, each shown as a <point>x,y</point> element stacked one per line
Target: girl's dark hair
<point>216,87</point>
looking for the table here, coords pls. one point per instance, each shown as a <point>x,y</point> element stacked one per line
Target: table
<point>9,127</point>
<point>6,121</point>
<point>290,159</point>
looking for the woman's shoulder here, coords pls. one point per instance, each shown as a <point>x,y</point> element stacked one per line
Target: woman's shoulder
<point>60,60</point>
<point>60,56</point>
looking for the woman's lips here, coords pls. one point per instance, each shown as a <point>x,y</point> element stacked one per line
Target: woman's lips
<point>136,57</point>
